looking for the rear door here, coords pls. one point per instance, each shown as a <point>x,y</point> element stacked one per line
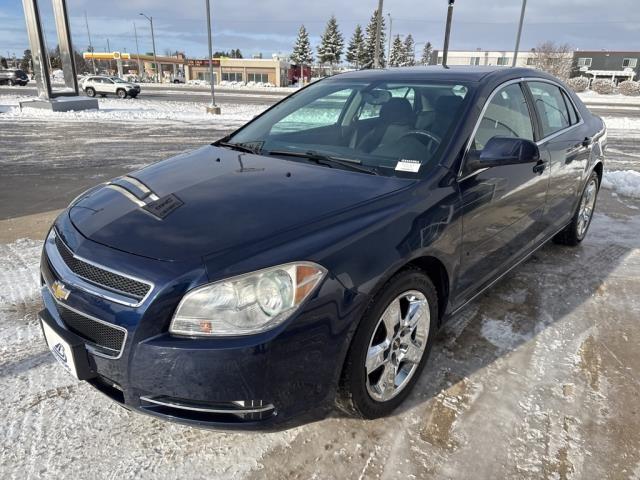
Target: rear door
<point>502,206</point>
<point>564,138</point>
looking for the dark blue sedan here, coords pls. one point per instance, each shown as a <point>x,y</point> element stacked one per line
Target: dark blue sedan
<point>308,259</point>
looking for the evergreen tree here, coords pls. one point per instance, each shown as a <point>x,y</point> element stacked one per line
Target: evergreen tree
<point>302,53</point>
<point>397,54</point>
<point>25,64</point>
<point>409,44</point>
<point>370,41</point>
<point>331,44</point>
<point>356,50</point>
<point>426,54</point>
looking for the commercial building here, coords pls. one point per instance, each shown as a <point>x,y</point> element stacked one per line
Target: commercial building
<point>616,66</point>
<point>272,71</point>
<point>484,57</point>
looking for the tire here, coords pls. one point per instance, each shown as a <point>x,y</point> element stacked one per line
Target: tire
<point>90,92</point>
<point>363,390</point>
<point>576,231</point>
<point>121,93</point>
<point>11,83</point>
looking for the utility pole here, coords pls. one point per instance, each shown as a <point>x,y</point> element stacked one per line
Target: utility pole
<point>447,33</point>
<point>153,41</point>
<point>213,108</point>
<point>376,60</point>
<point>515,53</point>
<point>93,60</point>
<point>140,68</point>
<point>390,35</point>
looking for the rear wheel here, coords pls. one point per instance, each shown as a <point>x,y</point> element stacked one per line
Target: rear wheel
<point>90,92</point>
<point>391,346</point>
<point>121,93</point>
<point>577,230</point>
<point>11,83</point>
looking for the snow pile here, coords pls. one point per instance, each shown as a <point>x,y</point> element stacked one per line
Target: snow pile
<point>137,110</point>
<point>623,182</point>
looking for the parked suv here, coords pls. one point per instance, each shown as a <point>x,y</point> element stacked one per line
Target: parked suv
<point>104,86</point>
<point>13,77</point>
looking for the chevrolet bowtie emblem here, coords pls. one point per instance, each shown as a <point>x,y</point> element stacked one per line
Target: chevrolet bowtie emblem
<point>59,291</point>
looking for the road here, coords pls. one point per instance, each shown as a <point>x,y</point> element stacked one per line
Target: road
<point>184,94</point>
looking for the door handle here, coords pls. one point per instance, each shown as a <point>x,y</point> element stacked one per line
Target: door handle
<point>539,167</point>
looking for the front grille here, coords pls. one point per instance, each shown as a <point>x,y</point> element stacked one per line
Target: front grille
<point>100,277</point>
<point>108,340</point>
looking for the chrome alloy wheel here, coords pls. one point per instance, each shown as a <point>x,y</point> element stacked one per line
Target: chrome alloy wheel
<point>397,345</point>
<point>587,205</point>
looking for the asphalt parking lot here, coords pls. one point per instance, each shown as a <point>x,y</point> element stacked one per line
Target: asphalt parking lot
<point>537,378</point>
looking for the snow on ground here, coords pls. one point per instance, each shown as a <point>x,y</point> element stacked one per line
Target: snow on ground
<point>623,123</point>
<point>591,97</point>
<point>52,422</point>
<point>130,110</point>
<point>623,182</point>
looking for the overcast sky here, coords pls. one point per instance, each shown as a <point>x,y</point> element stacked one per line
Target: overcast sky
<point>271,26</point>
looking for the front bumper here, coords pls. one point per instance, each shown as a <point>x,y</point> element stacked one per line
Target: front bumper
<point>269,381</point>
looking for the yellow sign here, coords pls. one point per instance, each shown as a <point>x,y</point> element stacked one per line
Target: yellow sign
<point>106,56</point>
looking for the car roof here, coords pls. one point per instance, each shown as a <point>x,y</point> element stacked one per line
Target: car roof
<point>452,73</point>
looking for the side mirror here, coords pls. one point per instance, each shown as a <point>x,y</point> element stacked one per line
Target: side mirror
<point>504,151</point>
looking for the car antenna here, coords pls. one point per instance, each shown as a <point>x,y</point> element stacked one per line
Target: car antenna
<point>447,33</point>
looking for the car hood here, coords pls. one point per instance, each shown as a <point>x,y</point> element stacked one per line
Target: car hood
<point>215,199</point>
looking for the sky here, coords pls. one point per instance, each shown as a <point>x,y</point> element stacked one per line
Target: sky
<point>271,26</point>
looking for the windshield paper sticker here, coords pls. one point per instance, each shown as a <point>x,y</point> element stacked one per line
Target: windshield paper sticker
<point>412,166</point>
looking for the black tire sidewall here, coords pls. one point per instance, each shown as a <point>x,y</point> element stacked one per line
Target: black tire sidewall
<point>121,93</point>
<point>90,92</point>
<point>354,378</point>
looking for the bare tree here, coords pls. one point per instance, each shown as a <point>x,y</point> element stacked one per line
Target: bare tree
<point>554,59</point>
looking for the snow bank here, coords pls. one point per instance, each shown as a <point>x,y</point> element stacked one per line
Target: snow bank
<point>19,272</point>
<point>623,182</point>
<point>139,110</point>
<point>623,123</point>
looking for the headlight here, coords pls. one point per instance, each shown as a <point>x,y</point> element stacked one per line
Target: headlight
<point>246,304</point>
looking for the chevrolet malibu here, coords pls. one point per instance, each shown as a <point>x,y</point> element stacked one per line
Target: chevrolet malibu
<point>308,259</point>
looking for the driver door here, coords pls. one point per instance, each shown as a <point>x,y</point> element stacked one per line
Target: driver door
<point>502,206</point>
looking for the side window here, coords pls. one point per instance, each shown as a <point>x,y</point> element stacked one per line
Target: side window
<point>507,115</point>
<point>551,108</point>
<point>573,115</point>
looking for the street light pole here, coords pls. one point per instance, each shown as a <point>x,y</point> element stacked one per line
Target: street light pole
<point>515,53</point>
<point>153,41</point>
<point>140,68</point>
<point>213,108</point>
<point>376,60</point>
<point>93,60</point>
<point>390,35</point>
<point>447,33</point>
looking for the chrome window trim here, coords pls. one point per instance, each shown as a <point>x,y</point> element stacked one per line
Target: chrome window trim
<point>89,286</point>
<point>90,317</point>
<point>493,93</point>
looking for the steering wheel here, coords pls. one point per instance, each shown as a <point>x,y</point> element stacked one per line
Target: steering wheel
<point>433,140</point>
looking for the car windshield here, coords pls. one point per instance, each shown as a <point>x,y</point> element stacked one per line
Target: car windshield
<point>389,128</point>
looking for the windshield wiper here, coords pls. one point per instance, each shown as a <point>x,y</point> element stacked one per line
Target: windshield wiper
<point>236,146</point>
<point>328,160</point>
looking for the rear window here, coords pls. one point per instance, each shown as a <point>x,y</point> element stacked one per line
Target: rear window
<point>551,107</point>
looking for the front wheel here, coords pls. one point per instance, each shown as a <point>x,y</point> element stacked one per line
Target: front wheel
<point>121,93</point>
<point>391,346</point>
<point>11,83</point>
<point>90,92</point>
<point>576,231</point>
